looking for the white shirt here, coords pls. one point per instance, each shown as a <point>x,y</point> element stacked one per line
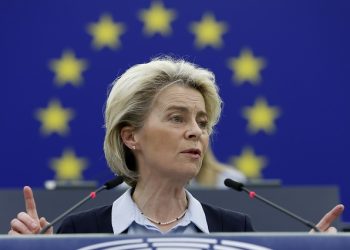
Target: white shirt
<point>126,215</point>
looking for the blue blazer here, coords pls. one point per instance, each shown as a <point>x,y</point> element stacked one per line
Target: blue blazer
<point>98,220</point>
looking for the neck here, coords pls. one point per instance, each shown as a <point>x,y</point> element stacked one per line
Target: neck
<point>166,223</point>
<point>160,202</point>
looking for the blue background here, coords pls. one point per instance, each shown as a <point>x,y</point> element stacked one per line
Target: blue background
<point>305,45</point>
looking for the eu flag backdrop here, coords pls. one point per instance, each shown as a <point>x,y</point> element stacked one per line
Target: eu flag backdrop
<point>282,68</point>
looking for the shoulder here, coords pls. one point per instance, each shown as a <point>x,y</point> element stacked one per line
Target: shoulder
<point>224,220</point>
<point>96,220</point>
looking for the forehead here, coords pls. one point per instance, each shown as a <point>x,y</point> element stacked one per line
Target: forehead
<point>177,95</point>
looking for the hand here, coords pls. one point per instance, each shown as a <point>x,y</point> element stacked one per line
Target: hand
<point>324,225</point>
<point>28,222</point>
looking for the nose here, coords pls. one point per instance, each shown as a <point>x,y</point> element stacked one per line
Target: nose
<point>193,131</point>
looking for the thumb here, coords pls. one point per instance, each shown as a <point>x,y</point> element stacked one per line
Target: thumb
<point>331,230</point>
<point>43,223</point>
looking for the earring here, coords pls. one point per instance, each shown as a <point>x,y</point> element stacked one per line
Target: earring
<point>133,147</point>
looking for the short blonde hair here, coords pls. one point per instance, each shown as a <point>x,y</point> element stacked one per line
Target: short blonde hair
<point>130,100</point>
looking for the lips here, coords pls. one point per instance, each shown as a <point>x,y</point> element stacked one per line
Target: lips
<point>193,151</point>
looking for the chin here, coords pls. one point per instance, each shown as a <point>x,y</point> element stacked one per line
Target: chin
<point>185,176</point>
<point>192,172</point>
<point>183,171</point>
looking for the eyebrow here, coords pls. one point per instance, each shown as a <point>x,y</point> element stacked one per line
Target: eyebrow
<point>185,109</point>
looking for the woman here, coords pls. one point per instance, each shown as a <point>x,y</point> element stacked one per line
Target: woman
<point>158,119</point>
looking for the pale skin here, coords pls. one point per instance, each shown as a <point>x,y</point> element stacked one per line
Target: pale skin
<point>169,149</point>
<point>28,222</point>
<point>177,123</point>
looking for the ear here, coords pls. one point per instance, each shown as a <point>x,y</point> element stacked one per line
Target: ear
<point>127,134</point>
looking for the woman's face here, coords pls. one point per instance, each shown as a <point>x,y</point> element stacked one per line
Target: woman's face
<point>174,138</point>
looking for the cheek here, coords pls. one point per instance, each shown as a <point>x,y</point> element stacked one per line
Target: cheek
<point>205,142</point>
<point>157,140</point>
<point>160,144</point>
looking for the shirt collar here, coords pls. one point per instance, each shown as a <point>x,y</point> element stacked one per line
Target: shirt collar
<point>196,213</point>
<point>125,212</point>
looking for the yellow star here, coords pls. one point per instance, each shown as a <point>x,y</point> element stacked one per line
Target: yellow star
<point>68,167</point>
<point>208,31</point>
<point>157,19</point>
<point>261,116</point>
<point>54,119</point>
<point>106,33</point>
<point>249,163</point>
<point>68,69</point>
<point>246,67</point>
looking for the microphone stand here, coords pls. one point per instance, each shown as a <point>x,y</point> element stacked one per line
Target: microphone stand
<point>108,185</point>
<point>240,187</point>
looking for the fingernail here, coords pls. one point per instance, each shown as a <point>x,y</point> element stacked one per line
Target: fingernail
<point>34,225</point>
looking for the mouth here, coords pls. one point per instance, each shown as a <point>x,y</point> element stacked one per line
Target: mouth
<point>193,152</point>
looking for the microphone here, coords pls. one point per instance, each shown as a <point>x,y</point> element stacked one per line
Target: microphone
<point>107,186</point>
<point>240,187</point>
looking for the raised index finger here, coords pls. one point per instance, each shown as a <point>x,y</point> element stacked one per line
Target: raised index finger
<point>328,219</point>
<point>30,203</point>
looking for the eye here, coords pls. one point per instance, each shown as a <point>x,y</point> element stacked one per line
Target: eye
<point>176,118</point>
<point>203,124</point>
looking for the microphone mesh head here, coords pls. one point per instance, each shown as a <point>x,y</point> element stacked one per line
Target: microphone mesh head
<point>113,183</point>
<point>233,184</point>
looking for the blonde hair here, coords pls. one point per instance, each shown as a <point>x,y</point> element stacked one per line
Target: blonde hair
<point>130,99</point>
<point>211,168</point>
